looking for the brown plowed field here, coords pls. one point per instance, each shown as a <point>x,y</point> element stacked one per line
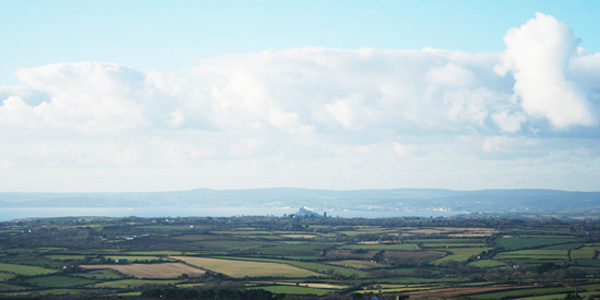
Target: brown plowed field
<point>165,270</point>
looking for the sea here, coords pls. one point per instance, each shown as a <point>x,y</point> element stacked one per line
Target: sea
<point>14,213</point>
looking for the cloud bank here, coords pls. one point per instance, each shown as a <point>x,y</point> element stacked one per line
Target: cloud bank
<point>316,117</point>
<point>538,55</point>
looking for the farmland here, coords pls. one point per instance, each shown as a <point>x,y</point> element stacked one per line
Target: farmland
<point>158,270</point>
<point>299,258</point>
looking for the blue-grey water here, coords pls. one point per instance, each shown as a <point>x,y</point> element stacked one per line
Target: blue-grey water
<point>12,213</point>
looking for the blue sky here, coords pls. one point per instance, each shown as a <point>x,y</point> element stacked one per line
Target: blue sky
<point>155,95</point>
<point>172,35</point>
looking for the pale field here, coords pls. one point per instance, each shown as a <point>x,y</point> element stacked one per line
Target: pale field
<point>164,270</point>
<point>238,268</point>
<point>299,236</point>
<point>465,232</point>
<point>358,264</point>
<point>315,285</point>
<point>470,235</point>
<point>377,242</point>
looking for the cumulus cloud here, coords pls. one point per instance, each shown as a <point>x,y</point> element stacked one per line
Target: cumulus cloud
<point>310,109</point>
<point>508,122</point>
<point>538,55</point>
<point>87,97</point>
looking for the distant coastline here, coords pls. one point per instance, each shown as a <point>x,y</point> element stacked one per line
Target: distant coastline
<point>280,201</point>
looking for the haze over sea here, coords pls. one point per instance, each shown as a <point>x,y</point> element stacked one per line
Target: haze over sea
<point>12,213</point>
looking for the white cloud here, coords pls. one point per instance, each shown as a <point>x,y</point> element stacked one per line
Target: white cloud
<point>303,111</point>
<point>15,112</point>
<point>450,75</point>
<point>86,97</point>
<point>404,150</point>
<point>176,118</point>
<point>538,54</point>
<point>508,122</point>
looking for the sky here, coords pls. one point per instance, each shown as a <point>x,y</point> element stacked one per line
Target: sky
<point>115,96</point>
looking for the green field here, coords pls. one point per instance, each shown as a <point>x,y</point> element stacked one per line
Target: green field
<point>460,254</point>
<point>10,287</point>
<point>133,283</point>
<point>294,290</point>
<point>451,245</point>
<point>516,243</point>
<point>53,293</point>
<point>567,246</point>
<point>58,281</point>
<point>584,253</point>
<point>313,266</point>
<point>381,247</point>
<point>137,258</point>
<point>356,264</point>
<point>523,293</point>
<point>300,258</point>
<point>487,263</point>
<point>65,257</point>
<point>300,249</point>
<point>30,260</point>
<point>25,270</point>
<point>235,268</point>
<point>231,245</point>
<point>100,274</point>
<point>4,276</point>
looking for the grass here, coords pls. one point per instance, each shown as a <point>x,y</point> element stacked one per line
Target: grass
<point>305,249</point>
<point>59,281</point>
<point>523,293</point>
<point>170,227</point>
<point>537,253</point>
<point>154,253</point>
<point>487,263</point>
<point>355,264</point>
<point>583,253</point>
<point>102,274</point>
<point>295,290</point>
<point>419,280</point>
<point>317,267</point>
<point>329,269</point>
<point>242,232</point>
<point>133,283</point>
<point>560,296</point>
<point>448,241</point>
<point>4,276</point>
<point>49,292</point>
<point>381,247</point>
<point>567,246</point>
<point>239,269</point>
<point>452,245</point>
<point>460,254</point>
<point>137,258</point>
<point>532,257</point>
<point>129,294</point>
<point>25,270</point>
<point>30,260</point>
<point>530,242</point>
<point>587,262</point>
<point>10,287</point>
<point>65,257</point>
<point>367,232</point>
<point>231,245</point>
